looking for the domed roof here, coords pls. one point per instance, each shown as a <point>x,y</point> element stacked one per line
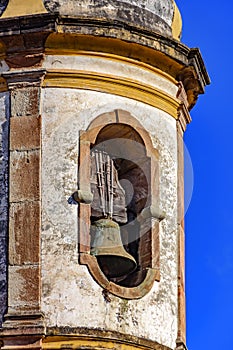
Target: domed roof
<point>161,16</point>
<point>154,15</point>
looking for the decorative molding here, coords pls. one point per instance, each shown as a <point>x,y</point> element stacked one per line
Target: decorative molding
<point>24,331</point>
<point>24,78</point>
<point>113,85</point>
<point>184,117</point>
<point>159,52</point>
<point>194,77</point>
<point>31,31</point>
<point>167,54</point>
<point>92,339</point>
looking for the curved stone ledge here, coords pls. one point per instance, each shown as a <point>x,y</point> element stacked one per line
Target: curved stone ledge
<point>59,337</point>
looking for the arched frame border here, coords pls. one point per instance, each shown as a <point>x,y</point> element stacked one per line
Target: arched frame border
<point>87,138</point>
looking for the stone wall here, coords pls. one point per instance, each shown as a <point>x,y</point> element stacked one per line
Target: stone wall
<point>4,129</point>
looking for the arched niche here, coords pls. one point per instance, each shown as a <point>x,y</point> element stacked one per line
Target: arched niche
<point>135,162</point>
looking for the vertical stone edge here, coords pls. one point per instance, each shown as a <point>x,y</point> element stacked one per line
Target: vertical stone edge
<point>4,130</point>
<point>182,121</point>
<point>23,325</point>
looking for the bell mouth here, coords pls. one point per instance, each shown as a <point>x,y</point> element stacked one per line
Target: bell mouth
<point>109,251</point>
<point>114,266</point>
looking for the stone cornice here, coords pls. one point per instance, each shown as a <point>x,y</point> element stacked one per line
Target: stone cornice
<point>33,77</point>
<point>24,40</point>
<point>27,24</point>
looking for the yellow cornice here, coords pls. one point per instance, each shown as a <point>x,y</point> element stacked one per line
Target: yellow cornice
<point>113,85</point>
<point>99,342</point>
<point>73,44</point>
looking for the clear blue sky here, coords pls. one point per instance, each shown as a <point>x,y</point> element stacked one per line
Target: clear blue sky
<point>209,219</point>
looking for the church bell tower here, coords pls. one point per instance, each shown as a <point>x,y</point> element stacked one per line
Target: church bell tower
<point>94,101</point>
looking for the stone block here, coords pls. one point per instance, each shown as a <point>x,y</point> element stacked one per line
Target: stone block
<point>25,102</point>
<point>25,133</point>
<point>24,176</point>
<point>24,290</point>
<point>3,276</point>
<point>24,233</point>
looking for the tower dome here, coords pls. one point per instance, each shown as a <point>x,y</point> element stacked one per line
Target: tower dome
<point>154,15</point>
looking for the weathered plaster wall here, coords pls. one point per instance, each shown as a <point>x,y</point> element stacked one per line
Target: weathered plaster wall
<point>70,296</point>
<point>4,126</point>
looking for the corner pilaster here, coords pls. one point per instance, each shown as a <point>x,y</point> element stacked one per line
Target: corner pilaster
<point>23,324</point>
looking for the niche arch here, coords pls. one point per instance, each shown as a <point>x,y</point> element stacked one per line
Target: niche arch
<point>137,164</point>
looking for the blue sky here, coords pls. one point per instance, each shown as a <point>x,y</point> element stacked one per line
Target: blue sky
<point>209,219</point>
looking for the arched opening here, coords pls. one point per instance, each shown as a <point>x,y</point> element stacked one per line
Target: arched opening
<point>121,187</point>
<point>116,143</point>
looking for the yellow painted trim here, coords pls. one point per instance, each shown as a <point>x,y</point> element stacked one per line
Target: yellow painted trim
<point>94,344</point>
<point>17,8</point>
<point>113,85</point>
<point>72,342</point>
<point>177,23</point>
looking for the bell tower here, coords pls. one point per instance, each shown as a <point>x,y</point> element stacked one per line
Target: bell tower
<point>94,101</point>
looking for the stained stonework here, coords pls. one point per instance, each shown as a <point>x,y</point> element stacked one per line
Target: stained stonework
<point>4,128</point>
<point>28,105</point>
<point>23,273</point>
<point>25,133</point>
<point>24,176</point>
<point>23,222</point>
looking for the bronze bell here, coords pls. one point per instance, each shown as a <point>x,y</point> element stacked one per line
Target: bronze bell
<point>107,246</point>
